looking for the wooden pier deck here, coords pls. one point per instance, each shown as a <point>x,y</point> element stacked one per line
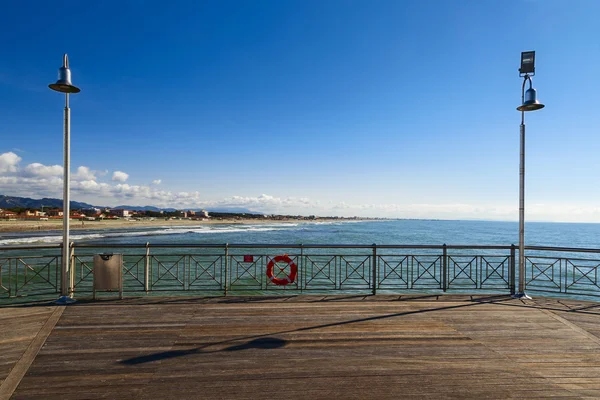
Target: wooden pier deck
<point>304,347</point>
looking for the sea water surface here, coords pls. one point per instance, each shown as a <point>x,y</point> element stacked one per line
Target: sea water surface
<point>545,272</point>
<point>381,232</point>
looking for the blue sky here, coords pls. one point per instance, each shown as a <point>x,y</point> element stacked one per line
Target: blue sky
<point>371,108</point>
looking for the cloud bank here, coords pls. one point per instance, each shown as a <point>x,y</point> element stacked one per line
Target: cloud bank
<point>38,180</point>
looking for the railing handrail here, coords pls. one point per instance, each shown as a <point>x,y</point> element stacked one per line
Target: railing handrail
<point>297,246</point>
<point>563,249</point>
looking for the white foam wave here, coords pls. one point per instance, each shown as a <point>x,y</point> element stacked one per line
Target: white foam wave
<point>48,239</point>
<point>137,233</point>
<point>169,230</point>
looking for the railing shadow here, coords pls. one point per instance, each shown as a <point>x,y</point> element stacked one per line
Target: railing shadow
<point>258,341</point>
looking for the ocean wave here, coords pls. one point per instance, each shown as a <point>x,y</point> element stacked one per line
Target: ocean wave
<point>169,230</point>
<point>48,239</point>
<point>137,233</point>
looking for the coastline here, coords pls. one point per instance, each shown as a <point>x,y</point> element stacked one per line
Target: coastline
<point>56,225</point>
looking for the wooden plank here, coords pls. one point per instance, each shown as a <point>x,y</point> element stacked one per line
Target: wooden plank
<point>22,332</point>
<point>320,347</point>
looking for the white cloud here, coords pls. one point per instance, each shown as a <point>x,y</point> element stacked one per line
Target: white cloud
<point>157,181</point>
<point>84,174</point>
<point>268,204</point>
<point>41,170</point>
<point>92,187</point>
<point>120,176</point>
<point>9,162</point>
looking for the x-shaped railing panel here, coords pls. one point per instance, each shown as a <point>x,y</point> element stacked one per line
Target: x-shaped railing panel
<point>543,273</point>
<point>583,275</point>
<point>83,270</point>
<point>5,275</point>
<point>322,275</point>
<point>393,271</point>
<point>206,270</point>
<point>134,270</point>
<point>169,270</point>
<point>245,274</point>
<point>462,271</point>
<point>350,273</point>
<point>494,271</point>
<point>32,274</point>
<point>427,271</point>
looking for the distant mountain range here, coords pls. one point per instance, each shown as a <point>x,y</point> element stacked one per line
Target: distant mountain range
<point>25,202</point>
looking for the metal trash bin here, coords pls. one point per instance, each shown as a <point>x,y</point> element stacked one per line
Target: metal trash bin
<point>108,273</point>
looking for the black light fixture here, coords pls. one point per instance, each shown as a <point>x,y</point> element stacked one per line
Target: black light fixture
<point>527,63</point>
<point>529,101</point>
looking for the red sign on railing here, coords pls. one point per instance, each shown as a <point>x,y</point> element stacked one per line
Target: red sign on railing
<point>248,258</point>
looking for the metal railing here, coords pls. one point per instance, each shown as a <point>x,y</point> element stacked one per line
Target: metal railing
<point>222,269</point>
<point>573,271</point>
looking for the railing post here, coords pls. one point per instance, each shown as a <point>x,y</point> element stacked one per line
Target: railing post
<point>226,268</point>
<point>301,265</point>
<point>444,267</point>
<point>147,268</point>
<point>72,268</point>
<point>61,274</point>
<point>57,268</point>
<point>512,270</point>
<point>562,262</point>
<point>10,278</point>
<point>374,269</point>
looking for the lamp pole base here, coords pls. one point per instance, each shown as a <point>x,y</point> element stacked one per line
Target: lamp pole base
<point>522,296</point>
<point>64,301</point>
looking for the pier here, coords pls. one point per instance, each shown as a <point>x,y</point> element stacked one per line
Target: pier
<point>302,346</point>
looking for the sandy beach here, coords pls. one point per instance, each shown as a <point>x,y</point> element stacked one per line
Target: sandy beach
<point>56,225</point>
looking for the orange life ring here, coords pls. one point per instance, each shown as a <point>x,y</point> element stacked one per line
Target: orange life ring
<point>289,278</point>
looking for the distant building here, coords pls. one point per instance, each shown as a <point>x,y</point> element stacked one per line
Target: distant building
<point>7,214</point>
<point>55,212</point>
<point>120,212</point>
<point>204,213</point>
<point>33,213</point>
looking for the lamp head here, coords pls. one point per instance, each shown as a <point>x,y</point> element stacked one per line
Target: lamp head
<point>63,84</point>
<point>527,63</point>
<point>531,102</point>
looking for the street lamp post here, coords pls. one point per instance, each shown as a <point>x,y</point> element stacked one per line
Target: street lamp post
<point>529,102</point>
<point>64,85</point>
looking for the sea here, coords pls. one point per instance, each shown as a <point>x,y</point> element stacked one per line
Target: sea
<point>351,232</point>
